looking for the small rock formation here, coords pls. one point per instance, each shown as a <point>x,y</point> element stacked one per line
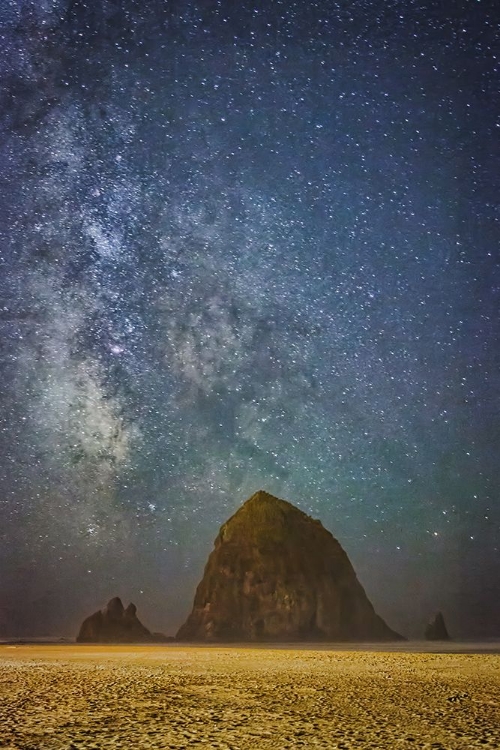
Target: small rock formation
<point>436,629</point>
<point>276,574</point>
<point>114,624</point>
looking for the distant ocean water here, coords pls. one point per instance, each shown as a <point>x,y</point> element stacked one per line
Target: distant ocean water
<point>490,645</point>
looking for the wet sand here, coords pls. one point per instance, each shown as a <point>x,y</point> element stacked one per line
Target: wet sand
<point>71,696</point>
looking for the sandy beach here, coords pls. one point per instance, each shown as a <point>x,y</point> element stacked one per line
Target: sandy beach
<point>169,696</point>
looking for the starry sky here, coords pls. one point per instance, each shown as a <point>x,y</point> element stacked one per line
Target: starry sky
<point>248,245</point>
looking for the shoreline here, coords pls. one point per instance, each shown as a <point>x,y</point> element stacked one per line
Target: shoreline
<point>417,647</point>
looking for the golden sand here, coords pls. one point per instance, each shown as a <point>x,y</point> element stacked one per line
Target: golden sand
<point>72,697</point>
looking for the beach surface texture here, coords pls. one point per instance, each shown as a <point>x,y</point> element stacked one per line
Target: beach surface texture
<point>82,696</point>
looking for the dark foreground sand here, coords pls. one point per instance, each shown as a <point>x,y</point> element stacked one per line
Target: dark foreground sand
<point>187,697</point>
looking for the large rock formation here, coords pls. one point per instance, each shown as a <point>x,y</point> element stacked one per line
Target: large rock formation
<point>436,629</point>
<point>278,575</point>
<point>114,624</point>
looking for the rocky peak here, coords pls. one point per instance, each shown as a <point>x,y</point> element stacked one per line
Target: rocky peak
<point>265,518</point>
<point>277,574</point>
<point>114,609</point>
<point>114,624</point>
<point>436,629</point>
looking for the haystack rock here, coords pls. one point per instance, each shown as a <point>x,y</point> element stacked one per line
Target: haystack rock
<point>436,629</point>
<point>114,624</point>
<point>278,575</point>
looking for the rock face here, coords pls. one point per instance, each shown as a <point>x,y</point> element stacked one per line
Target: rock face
<point>278,575</point>
<point>436,629</point>
<point>114,624</point>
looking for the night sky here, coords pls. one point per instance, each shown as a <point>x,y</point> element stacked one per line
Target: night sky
<point>248,245</point>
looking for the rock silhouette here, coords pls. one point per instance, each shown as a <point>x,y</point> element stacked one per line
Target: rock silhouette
<point>114,624</point>
<point>436,629</point>
<point>276,574</point>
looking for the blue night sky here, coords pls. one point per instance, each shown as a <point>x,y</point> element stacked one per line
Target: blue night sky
<point>248,245</point>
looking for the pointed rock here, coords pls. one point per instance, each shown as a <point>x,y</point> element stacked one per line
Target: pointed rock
<point>113,610</point>
<point>276,574</point>
<point>436,629</point>
<point>114,624</point>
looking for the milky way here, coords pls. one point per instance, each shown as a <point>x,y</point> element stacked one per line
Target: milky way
<point>247,246</point>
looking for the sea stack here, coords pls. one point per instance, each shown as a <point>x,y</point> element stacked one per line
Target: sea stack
<point>276,574</point>
<point>436,629</point>
<point>114,624</point>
